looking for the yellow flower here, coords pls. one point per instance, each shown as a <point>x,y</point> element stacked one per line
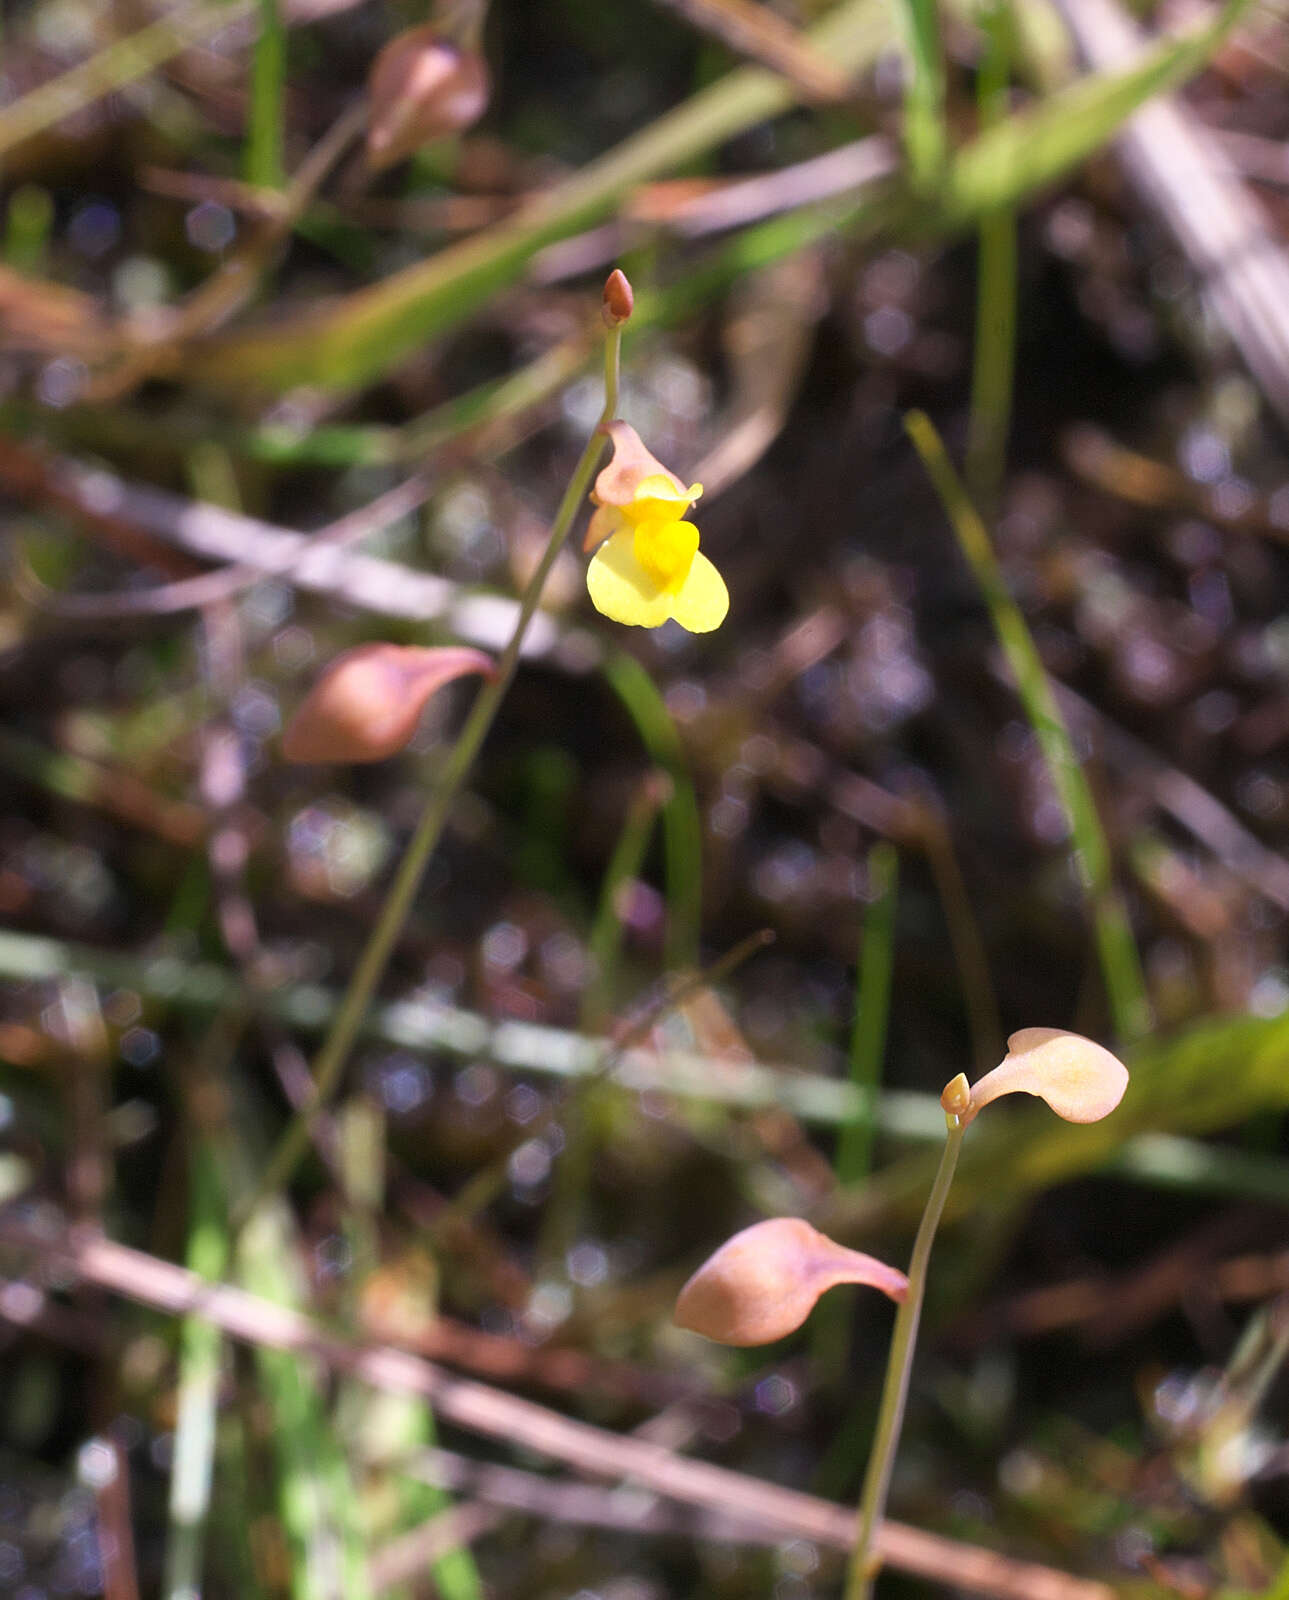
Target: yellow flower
<point>648,566</point>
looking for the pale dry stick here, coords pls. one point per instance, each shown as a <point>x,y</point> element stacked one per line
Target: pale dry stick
<point>407,1557</point>
<point>477,1408</point>
<point>1202,814</point>
<point>625,1509</point>
<point>675,204</point>
<point>119,509</point>
<point>114,1523</point>
<point>466,1035</point>
<point>117,65</point>
<point>767,194</point>
<point>755,31</point>
<point>1143,480</point>
<point>208,588</point>
<point>1182,173</point>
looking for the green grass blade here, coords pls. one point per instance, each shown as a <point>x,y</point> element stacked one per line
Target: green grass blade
<point>385,1428</point>
<point>263,162</point>
<point>118,64</point>
<point>321,1514</point>
<point>872,1006</point>
<point>29,221</point>
<point>925,132</point>
<point>681,824</point>
<point>604,945</point>
<point>1120,964</point>
<point>991,379</point>
<point>199,1361</point>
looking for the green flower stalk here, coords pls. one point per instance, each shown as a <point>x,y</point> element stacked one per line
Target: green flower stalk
<point>762,1284</point>
<point>331,1058</point>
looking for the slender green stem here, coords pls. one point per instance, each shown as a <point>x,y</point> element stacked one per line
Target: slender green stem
<point>899,1366</point>
<point>331,1058</point>
<point>995,352</point>
<point>965,939</point>
<point>263,158</point>
<point>872,1004</point>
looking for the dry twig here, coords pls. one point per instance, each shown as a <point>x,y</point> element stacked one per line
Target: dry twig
<point>495,1415</point>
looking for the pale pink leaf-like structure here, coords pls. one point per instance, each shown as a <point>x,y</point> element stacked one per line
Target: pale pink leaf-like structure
<point>1078,1078</point>
<point>763,1283</point>
<point>368,701</point>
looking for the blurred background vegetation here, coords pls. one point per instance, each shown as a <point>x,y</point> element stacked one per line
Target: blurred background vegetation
<point>936,778</point>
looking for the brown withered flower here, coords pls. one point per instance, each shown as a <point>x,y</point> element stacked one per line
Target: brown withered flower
<point>763,1283</point>
<point>422,85</point>
<point>368,701</point>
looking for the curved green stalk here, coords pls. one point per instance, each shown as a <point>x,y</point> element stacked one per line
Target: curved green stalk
<point>331,1058</point>
<point>899,1366</point>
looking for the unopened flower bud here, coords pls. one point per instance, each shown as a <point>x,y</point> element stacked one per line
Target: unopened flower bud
<point>763,1283</point>
<point>421,86</point>
<point>368,701</point>
<point>619,299</point>
<point>1080,1080</point>
<point>955,1097</point>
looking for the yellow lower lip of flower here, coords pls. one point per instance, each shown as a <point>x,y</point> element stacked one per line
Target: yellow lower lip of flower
<point>624,590</point>
<point>666,551</point>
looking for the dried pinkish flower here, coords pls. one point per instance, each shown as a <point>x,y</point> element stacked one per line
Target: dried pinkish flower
<point>763,1283</point>
<point>1080,1080</point>
<point>368,701</point>
<point>422,85</point>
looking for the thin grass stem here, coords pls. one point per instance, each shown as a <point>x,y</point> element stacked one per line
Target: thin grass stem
<point>1116,948</point>
<point>995,349</point>
<point>872,1007</point>
<point>925,133</point>
<point>264,163</point>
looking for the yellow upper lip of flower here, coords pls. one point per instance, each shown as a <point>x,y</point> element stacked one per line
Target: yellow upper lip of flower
<point>658,500</point>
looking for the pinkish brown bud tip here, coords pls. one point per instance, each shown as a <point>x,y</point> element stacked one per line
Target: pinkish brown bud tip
<point>762,1284</point>
<point>422,85</point>
<point>955,1097</point>
<point>619,299</point>
<point>368,701</point>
